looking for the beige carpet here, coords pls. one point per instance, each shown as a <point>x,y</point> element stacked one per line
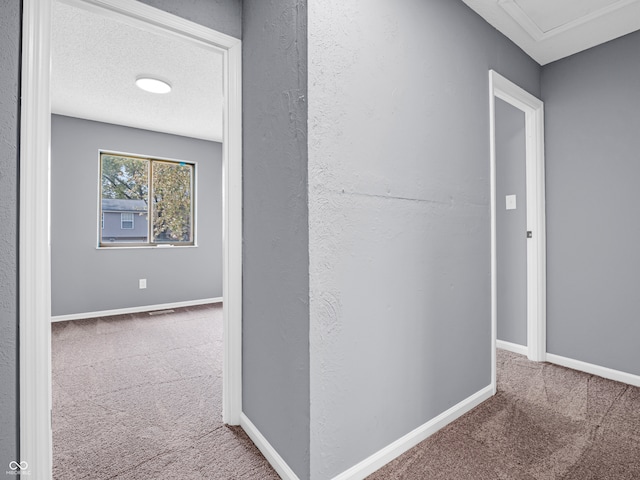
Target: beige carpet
<point>545,423</point>
<point>138,397</point>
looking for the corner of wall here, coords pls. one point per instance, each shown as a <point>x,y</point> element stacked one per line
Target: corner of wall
<point>276,382</point>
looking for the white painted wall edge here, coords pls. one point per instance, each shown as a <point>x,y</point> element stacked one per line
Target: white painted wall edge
<point>270,453</point>
<point>411,439</point>
<point>512,347</point>
<point>144,308</point>
<point>604,372</point>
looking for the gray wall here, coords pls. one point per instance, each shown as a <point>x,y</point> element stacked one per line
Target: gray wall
<point>276,244</point>
<point>399,216</point>
<point>511,225</point>
<point>9,123</point>
<point>86,279</point>
<point>592,104</point>
<point>222,15</point>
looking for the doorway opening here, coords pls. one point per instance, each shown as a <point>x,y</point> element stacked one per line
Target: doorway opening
<point>35,204</point>
<point>501,89</point>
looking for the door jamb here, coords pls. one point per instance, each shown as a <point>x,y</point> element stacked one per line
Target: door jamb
<point>35,250</point>
<point>533,108</point>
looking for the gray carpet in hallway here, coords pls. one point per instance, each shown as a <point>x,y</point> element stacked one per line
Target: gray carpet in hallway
<point>139,397</point>
<point>545,423</point>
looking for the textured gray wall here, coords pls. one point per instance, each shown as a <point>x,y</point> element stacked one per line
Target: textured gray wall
<point>276,243</point>
<point>511,225</point>
<point>222,15</point>
<point>399,216</point>
<point>9,140</point>
<point>592,111</point>
<point>86,279</point>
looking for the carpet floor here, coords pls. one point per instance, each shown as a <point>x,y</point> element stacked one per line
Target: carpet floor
<point>545,423</point>
<point>139,397</point>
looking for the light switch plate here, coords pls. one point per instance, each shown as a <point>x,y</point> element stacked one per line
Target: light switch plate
<point>511,202</point>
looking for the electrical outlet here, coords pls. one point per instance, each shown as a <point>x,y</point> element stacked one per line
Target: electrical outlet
<point>142,283</point>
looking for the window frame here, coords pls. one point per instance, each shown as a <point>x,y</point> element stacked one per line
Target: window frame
<point>149,244</point>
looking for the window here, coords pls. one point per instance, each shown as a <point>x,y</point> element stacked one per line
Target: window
<point>145,201</point>
<point>126,221</point>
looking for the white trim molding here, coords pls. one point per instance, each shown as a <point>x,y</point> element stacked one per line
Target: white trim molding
<point>604,372</point>
<point>270,453</point>
<point>142,309</point>
<point>35,256</point>
<point>411,439</point>
<point>493,221</point>
<point>232,238</point>
<point>35,245</point>
<point>512,347</point>
<point>533,108</point>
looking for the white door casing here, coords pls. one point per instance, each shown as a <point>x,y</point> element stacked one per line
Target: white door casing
<point>35,251</point>
<point>533,108</point>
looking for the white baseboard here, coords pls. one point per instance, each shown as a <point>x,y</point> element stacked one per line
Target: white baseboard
<point>145,308</point>
<point>604,372</point>
<point>270,453</point>
<point>411,439</point>
<point>512,347</point>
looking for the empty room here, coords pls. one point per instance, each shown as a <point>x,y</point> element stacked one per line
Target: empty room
<point>136,248</point>
<point>427,248</point>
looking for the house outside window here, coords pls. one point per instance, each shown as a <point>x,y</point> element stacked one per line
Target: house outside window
<point>124,221</point>
<point>145,201</point>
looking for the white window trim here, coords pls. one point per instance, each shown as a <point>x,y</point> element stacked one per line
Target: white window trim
<point>148,244</point>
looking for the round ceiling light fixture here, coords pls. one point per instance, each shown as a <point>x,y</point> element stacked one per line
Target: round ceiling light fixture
<point>153,85</point>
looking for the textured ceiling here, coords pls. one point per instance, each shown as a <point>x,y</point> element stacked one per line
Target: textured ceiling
<point>549,30</point>
<point>96,60</point>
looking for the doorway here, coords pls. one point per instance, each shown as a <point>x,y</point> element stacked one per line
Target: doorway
<point>508,99</point>
<point>511,225</point>
<point>35,255</point>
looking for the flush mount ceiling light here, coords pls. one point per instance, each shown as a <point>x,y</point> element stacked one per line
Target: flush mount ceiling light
<point>153,85</point>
